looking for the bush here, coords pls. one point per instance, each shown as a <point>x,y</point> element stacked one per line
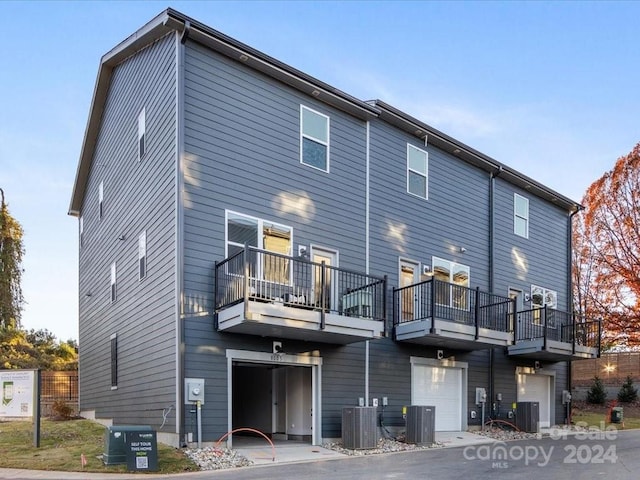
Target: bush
<point>627,392</point>
<point>597,394</point>
<point>61,410</point>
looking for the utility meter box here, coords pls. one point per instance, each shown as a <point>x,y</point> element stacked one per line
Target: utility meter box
<point>194,390</point>
<point>115,450</point>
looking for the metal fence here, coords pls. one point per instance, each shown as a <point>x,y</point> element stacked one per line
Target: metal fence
<point>58,387</point>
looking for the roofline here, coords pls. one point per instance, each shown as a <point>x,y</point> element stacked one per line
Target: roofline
<point>172,20</point>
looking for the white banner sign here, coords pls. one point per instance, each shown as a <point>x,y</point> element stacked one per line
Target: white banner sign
<point>17,393</point>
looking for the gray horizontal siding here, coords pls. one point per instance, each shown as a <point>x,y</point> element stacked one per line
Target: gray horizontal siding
<point>138,196</point>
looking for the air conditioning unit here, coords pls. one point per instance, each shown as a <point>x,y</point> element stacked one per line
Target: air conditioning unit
<point>528,416</point>
<point>359,427</point>
<point>421,424</point>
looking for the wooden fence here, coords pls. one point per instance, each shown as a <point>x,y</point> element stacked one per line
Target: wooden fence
<point>611,368</point>
<point>58,386</point>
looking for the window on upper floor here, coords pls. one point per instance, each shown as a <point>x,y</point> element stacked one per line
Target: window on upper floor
<point>142,255</point>
<point>543,297</point>
<point>314,138</point>
<point>101,200</point>
<point>113,290</point>
<point>520,215</point>
<point>81,226</point>
<point>114,361</point>
<point>417,172</point>
<point>265,235</point>
<point>142,128</point>
<point>456,275</point>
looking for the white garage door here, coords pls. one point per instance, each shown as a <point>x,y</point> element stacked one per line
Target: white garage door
<point>441,387</point>
<point>535,388</point>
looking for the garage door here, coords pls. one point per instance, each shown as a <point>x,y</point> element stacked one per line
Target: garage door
<point>535,388</point>
<point>441,387</point>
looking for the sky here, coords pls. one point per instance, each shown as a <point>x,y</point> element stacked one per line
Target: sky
<point>551,89</point>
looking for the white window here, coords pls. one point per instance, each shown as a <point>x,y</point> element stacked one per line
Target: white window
<point>520,215</point>
<point>141,134</point>
<point>113,282</point>
<point>455,295</point>
<point>543,297</point>
<point>314,138</point>
<point>265,235</point>
<point>100,199</point>
<point>417,172</point>
<point>142,255</point>
<point>81,229</point>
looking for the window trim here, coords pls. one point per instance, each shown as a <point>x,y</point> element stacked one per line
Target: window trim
<point>142,137</point>
<point>517,217</point>
<point>261,222</point>
<point>425,174</point>
<point>113,287</point>
<point>551,323</point>
<point>81,227</point>
<point>142,256</point>
<point>303,135</point>
<point>113,340</point>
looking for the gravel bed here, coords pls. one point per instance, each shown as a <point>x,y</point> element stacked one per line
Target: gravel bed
<point>210,458</point>
<point>385,445</point>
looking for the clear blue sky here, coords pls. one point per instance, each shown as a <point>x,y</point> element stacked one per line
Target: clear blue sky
<point>550,88</point>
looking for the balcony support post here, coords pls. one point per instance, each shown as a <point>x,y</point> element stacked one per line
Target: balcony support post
<point>245,286</point>
<point>384,306</point>
<point>433,306</point>
<point>323,284</point>
<point>573,330</point>
<point>215,296</point>
<point>544,325</point>
<point>477,313</point>
<point>514,319</point>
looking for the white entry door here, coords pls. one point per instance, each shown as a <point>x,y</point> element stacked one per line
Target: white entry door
<point>330,259</point>
<point>536,388</point>
<point>442,388</point>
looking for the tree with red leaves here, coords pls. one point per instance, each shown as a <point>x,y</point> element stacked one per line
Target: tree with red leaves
<point>606,255</point>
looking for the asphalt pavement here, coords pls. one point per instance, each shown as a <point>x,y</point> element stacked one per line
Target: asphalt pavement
<point>588,455</point>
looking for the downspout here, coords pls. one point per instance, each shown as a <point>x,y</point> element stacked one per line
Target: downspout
<point>179,245</point>
<point>366,258</point>
<point>570,284</point>
<point>492,188</point>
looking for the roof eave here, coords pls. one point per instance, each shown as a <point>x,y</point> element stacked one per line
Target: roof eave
<point>449,144</point>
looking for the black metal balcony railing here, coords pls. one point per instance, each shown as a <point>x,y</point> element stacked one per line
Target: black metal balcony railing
<point>259,275</point>
<point>551,324</point>
<point>433,299</point>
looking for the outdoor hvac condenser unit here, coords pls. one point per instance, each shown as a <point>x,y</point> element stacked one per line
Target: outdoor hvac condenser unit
<point>421,425</point>
<point>359,427</point>
<point>528,416</point>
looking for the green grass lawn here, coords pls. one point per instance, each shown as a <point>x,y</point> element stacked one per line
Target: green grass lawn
<point>598,419</point>
<point>63,442</point>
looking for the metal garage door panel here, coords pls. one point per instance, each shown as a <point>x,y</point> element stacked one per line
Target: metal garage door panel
<point>535,388</point>
<point>441,387</point>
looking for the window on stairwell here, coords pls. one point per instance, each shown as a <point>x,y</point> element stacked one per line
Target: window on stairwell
<point>417,172</point>
<point>142,130</point>
<point>113,290</point>
<point>142,255</point>
<point>114,361</point>
<point>541,297</point>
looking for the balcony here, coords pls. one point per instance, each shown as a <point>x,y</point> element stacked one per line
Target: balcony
<point>444,314</point>
<point>553,335</point>
<point>272,295</point>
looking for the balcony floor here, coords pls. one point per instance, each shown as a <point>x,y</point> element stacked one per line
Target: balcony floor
<point>278,320</point>
<point>451,334</point>
<point>555,351</point>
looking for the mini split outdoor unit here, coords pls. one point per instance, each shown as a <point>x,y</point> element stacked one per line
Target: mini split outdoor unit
<point>528,416</point>
<point>359,427</point>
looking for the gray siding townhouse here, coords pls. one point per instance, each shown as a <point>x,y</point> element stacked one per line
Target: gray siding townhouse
<point>259,250</point>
